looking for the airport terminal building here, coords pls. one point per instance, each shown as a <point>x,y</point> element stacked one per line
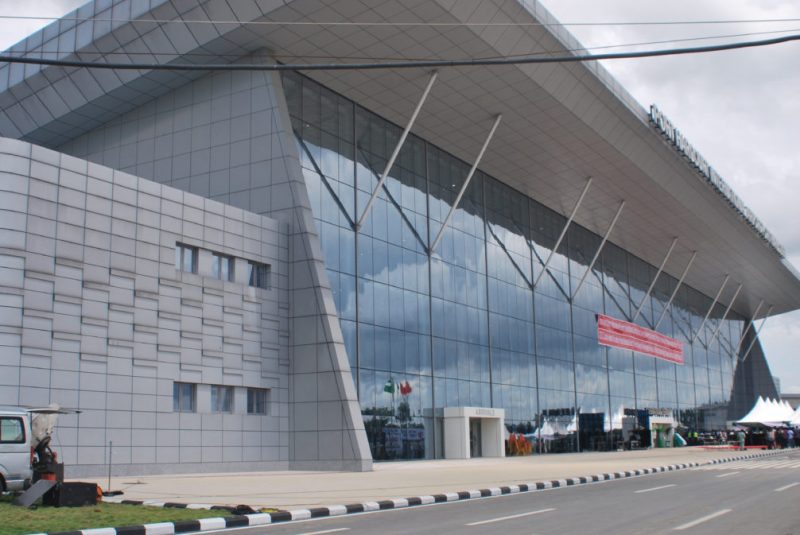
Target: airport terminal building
<point>251,269</point>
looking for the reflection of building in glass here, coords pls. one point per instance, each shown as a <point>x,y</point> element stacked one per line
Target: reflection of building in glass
<point>201,336</point>
<point>492,341</point>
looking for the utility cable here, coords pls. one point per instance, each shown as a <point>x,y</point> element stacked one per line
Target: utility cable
<point>398,64</point>
<point>402,24</point>
<point>660,42</point>
<point>287,57</point>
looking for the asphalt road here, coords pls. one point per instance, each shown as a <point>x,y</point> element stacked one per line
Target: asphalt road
<point>760,496</point>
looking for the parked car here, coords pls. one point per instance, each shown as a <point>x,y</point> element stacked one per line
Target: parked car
<point>16,449</point>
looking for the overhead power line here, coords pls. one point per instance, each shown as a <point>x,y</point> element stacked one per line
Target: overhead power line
<point>288,57</point>
<point>402,23</point>
<point>659,42</point>
<point>396,64</point>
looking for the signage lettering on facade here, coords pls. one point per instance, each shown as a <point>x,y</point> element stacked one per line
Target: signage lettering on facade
<point>617,333</point>
<point>668,130</point>
<point>484,412</point>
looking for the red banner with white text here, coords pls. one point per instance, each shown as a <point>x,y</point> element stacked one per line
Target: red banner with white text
<point>617,333</point>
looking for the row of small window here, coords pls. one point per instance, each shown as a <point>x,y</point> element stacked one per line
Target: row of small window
<point>184,399</point>
<point>222,266</point>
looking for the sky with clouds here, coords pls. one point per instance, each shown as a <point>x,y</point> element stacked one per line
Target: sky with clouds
<point>738,108</point>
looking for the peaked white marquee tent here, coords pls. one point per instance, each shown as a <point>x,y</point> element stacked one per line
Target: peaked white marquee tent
<point>770,413</point>
<point>795,421</point>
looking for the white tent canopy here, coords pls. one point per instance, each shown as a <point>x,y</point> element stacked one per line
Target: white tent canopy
<point>784,410</point>
<point>769,413</point>
<point>756,414</point>
<point>795,421</point>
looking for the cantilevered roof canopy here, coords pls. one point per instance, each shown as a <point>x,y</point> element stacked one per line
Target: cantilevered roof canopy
<point>562,123</point>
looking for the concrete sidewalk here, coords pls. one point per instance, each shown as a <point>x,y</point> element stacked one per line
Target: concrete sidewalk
<point>298,489</point>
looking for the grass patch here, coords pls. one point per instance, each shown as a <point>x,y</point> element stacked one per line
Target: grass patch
<point>19,520</point>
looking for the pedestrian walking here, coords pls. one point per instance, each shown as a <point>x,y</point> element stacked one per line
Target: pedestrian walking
<point>740,436</point>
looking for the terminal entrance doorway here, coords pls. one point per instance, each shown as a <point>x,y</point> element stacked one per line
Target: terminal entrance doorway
<point>469,432</point>
<point>475,437</point>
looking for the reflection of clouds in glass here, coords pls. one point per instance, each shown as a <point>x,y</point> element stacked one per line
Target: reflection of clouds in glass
<point>475,292</point>
<point>591,380</point>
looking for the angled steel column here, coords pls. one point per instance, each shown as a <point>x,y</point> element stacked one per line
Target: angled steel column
<point>653,283</point>
<point>711,308</point>
<point>396,152</point>
<point>749,324</point>
<point>675,291</point>
<point>563,231</point>
<point>599,250</point>
<point>725,315</point>
<point>465,185</point>
<point>755,337</point>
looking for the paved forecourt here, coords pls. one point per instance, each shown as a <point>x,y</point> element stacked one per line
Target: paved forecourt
<point>295,490</point>
<point>742,496</point>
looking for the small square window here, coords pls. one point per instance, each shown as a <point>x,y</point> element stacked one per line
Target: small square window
<point>12,431</point>
<point>257,400</point>
<point>222,267</point>
<point>221,398</point>
<point>184,397</point>
<point>186,258</point>
<point>258,275</point>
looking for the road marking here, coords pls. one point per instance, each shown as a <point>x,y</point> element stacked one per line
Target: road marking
<point>700,520</point>
<point>500,519</point>
<point>728,474</point>
<point>654,488</point>
<point>324,531</point>
<point>778,463</point>
<point>790,485</point>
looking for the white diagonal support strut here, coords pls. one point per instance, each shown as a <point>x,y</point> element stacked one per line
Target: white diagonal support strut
<point>465,184</point>
<point>725,315</point>
<point>563,232</point>
<point>396,152</point>
<point>653,283</point>
<point>755,336</point>
<point>749,324</point>
<point>711,308</point>
<point>599,250</point>
<point>675,291</point>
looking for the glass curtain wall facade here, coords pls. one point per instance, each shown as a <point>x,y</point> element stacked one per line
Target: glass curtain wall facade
<point>463,326</point>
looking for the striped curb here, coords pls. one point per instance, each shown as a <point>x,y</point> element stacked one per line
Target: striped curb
<point>260,519</point>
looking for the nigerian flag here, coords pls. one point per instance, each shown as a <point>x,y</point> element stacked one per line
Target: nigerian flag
<point>389,386</point>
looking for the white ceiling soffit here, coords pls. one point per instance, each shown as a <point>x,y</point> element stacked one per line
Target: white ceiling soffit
<point>561,124</point>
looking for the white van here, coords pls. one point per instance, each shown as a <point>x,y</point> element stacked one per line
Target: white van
<point>15,449</point>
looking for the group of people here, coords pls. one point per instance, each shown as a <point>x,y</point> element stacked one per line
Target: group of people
<point>771,437</point>
<point>783,437</point>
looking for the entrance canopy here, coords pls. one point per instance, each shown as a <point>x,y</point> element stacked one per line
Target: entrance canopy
<point>457,431</point>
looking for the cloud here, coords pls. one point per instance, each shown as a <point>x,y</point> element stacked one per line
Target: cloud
<point>781,338</point>
<point>14,30</point>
